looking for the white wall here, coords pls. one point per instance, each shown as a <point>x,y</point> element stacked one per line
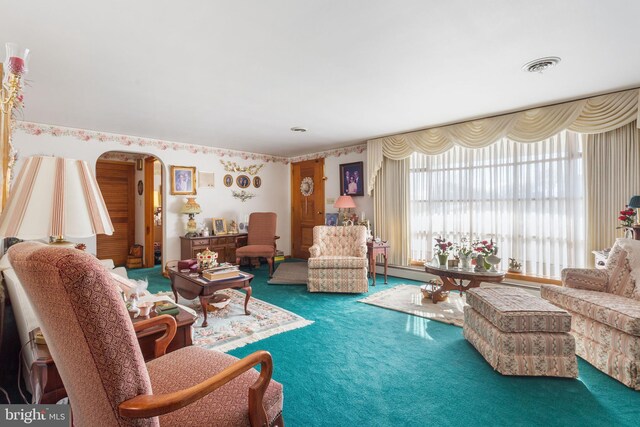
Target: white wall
<point>332,184</point>
<point>272,196</point>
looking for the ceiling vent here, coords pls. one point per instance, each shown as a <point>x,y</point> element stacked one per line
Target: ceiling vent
<point>541,65</point>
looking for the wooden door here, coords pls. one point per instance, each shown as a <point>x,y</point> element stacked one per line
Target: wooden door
<point>149,227</point>
<point>116,181</point>
<point>306,212</point>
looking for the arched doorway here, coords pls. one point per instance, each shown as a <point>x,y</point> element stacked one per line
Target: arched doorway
<point>131,185</point>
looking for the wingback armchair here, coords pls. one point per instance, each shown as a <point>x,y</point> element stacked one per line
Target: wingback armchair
<point>605,311</point>
<point>92,340</point>
<point>261,238</point>
<point>338,261</point>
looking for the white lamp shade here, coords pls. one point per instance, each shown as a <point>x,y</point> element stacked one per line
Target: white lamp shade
<point>53,196</point>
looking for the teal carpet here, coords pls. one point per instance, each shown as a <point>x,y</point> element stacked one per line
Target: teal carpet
<point>360,365</point>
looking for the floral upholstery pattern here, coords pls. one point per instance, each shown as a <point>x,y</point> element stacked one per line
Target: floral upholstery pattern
<point>618,312</point>
<point>515,310</point>
<point>521,353</point>
<point>338,261</point>
<point>585,278</point>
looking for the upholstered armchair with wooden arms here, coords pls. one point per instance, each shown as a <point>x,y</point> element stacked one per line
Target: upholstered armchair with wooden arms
<point>92,340</point>
<point>261,239</point>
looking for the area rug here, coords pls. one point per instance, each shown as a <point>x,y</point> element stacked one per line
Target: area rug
<point>408,299</point>
<point>290,273</point>
<point>230,328</point>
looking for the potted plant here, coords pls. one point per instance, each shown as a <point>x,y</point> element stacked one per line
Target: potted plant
<point>464,251</point>
<point>483,249</point>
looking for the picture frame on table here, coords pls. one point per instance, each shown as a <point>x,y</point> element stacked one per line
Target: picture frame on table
<point>352,179</point>
<point>331,219</point>
<point>183,180</point>
<point>219,226</point>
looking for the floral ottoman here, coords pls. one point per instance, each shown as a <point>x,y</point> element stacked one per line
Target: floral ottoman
<point>519,333</point>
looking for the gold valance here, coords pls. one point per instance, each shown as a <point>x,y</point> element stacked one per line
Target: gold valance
<point>593,115</point>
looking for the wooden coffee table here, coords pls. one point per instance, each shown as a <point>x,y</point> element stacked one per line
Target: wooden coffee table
<point>197,287</point>
<point>452,279</point>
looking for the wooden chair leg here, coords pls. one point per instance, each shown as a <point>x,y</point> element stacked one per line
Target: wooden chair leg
<point>270,261</point>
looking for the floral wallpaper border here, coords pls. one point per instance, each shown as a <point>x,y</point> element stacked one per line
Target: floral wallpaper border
<point>89,135</point>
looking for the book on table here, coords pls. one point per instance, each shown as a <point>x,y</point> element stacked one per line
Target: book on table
<point>218,273</point>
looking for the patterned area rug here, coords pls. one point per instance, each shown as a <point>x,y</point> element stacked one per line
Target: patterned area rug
<point>230,328</point>
<point>290,273</point>
<point>408,299</point>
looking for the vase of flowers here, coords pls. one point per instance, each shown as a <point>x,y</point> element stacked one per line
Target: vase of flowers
<point>464,254</point>
<point>483,249</point>
<point>626,217</point>
<point>442,248</point>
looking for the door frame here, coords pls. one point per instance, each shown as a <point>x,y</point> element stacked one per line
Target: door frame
<point>149,225</point>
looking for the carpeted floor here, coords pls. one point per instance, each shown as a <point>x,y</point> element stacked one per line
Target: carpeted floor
<point>362,365</point>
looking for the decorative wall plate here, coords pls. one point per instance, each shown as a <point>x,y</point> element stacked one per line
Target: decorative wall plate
<point>140,188</point>
<point>243,181</point>
<point>257,181</point>
<point>228,180</point>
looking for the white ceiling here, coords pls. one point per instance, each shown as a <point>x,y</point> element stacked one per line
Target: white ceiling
<point>239,74</point>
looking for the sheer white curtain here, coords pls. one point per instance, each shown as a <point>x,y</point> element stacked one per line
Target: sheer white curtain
<point>527,197</point>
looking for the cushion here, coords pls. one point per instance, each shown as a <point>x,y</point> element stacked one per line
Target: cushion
<point>266,251</point>
<point>515,310</point>
<point>226,406</point>
<point>613,310</point>
<point>338,262</point>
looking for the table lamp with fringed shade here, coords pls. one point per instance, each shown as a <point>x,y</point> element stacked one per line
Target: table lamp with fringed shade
<point>344,204</point>
<point>55,197</point>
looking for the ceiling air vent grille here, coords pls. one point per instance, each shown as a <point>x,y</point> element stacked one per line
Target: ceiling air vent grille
<point>540,65</point>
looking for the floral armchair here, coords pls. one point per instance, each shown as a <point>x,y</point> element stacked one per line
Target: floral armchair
<point>338,261</point>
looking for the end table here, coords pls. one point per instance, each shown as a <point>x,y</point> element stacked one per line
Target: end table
<point>374,249</point>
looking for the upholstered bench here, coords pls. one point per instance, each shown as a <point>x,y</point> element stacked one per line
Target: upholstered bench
<point>519,333</point>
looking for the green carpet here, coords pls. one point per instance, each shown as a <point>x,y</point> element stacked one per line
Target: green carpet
<point>367,366</point>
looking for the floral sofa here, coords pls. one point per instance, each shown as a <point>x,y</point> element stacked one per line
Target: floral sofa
<point>338,261</point>
<point>605,310</point>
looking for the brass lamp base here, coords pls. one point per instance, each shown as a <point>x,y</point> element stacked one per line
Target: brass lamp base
<point>60,242</point>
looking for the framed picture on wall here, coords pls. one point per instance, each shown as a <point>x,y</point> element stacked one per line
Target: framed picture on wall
<point>183,180</point>
<point>352,179</point>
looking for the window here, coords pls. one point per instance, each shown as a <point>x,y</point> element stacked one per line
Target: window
<point>528,197</point>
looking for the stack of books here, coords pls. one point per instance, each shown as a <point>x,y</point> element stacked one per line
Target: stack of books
<point>165,307</point>
<point>222,272</point>
<point>279,256</point>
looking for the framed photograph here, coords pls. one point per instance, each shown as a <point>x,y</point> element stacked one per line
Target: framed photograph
<point>352,179</point>
<point>183,180</point>
<point>219,226</point>
<point>257,181</point>
<point>228,180</point>
<point>331,219</point>
<point>243,181</point>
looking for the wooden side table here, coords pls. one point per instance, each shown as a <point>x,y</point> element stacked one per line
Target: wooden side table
<point>374,249</point>
<point>46,383</point>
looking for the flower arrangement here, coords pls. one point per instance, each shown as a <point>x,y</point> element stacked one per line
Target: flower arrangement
<point>442,246</point>
<point>627,217</point>
<point>484,247</point>
<point>463,249</point>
